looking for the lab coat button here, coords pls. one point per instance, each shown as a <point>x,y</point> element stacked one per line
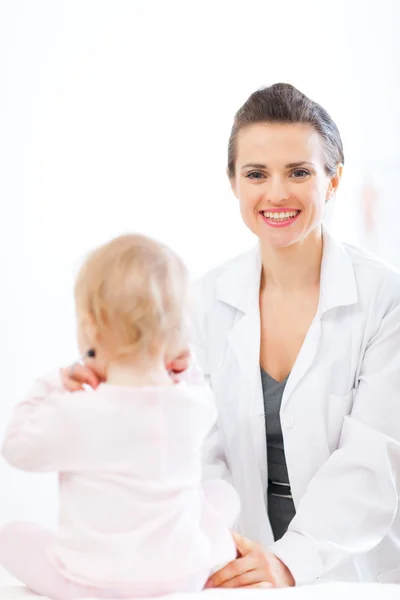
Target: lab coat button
<point>287,420</point>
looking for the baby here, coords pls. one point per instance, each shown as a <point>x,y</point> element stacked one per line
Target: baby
<point>135,517</point>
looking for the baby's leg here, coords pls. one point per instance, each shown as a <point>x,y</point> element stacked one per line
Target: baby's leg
<point>23,554</point>
<point>223,498</point>
<point>195,583</point>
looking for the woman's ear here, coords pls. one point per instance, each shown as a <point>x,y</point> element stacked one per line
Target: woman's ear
<point>334,182</point>
<point>232,182</point>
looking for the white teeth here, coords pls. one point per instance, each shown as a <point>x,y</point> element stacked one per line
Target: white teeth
<point>280,215</point>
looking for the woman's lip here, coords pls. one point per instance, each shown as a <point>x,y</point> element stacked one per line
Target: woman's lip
<point>283,209</point>
<point>277,224</point>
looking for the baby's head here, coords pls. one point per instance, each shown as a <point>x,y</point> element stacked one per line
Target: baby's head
<point>132,302</point>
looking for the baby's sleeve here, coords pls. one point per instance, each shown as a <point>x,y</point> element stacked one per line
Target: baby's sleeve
<point>39,431</point>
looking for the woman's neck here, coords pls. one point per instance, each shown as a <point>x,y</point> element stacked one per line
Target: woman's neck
<point>294,267</point>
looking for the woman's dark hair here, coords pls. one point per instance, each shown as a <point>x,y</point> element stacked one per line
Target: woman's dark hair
<point>283,103</point>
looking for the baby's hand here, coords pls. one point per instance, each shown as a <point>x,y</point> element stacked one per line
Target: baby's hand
<point>76,375</point>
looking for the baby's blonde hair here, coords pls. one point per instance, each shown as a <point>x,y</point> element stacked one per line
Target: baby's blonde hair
<point>134,290</point>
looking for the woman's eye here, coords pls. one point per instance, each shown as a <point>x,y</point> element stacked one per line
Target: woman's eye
<point>255,175</point>
<point>300,173</point>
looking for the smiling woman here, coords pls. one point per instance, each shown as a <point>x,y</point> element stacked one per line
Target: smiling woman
<point>289,182</point>
<point>285,158</point>
<point>300,340</point>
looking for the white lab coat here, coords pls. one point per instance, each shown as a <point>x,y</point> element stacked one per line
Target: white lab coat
<point>340,413</point>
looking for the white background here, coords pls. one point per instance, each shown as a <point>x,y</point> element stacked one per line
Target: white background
<point>115,117</point>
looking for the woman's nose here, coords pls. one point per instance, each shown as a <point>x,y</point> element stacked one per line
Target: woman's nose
<point>276,191</point>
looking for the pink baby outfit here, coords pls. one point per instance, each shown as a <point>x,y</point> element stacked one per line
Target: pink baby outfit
<point>135,517</point>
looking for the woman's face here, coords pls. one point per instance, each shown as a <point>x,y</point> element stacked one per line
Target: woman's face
<point>281,182</point>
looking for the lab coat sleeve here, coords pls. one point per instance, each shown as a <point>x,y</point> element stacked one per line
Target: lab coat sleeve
<point>38,433</point>
<point>351,502</point>
<point>215,465</point>
<point>214,461</point>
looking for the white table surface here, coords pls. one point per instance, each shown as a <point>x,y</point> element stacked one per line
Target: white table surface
<point>12,590</point>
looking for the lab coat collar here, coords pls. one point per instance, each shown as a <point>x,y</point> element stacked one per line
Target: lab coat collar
<point>239,285</point>
<point>338,280</point>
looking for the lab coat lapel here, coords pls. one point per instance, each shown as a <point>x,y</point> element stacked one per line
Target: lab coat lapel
<point>338,288</point>
<point>239,287</point>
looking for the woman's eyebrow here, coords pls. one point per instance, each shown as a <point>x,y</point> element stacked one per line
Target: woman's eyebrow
<point>254,166</point>
<point>288,166</point>
<point>299,164</point>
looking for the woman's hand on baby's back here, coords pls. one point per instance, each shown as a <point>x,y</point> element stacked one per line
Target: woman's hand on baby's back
<point>179,364</point>
<point>77,375</point>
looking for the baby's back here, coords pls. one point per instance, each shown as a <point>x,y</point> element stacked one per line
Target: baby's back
<point>134,492</point>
